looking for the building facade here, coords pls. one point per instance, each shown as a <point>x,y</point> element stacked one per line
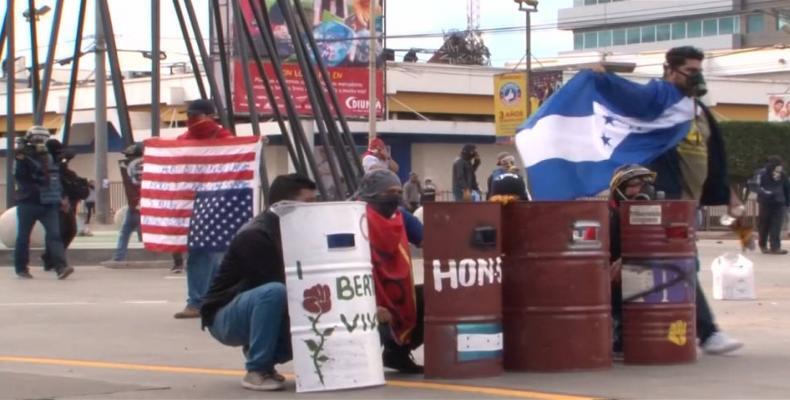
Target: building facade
<point>632,26</point>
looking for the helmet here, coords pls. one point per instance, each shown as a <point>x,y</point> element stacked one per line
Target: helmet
<point>626,173</point>
<point>135,150</point>
<point>37,134</point>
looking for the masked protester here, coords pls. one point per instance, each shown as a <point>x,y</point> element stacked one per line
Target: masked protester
<point>247,304</point>
<point>507,187</point>
<point>377,157</point>
<point>39,197</point>
<point>505,163</point>
<point>465,186</point>
<point>696,169</point>
<point>400,303</point>
<point>773,196</point>
<point>629,182</point>
<point>201,264</point>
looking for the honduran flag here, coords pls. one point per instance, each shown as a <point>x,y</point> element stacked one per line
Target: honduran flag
<point>594,124</point>
<point>197,193</point>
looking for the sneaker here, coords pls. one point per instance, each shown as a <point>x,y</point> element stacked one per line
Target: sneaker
<point>778,251</point>
<point>64,272</point>
<point>188,312</point>
<point>176,269</point>
<point>401,361</point>
<point>254,380</point>
<point>720,343</point>
<point>24,275</point>
<point>764,250</point>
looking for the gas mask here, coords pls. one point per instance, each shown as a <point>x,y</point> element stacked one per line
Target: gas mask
<point>646,193</point>
<point>695,84</point>
<point>386,205</point>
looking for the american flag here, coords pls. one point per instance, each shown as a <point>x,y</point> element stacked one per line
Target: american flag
<point>197,193</point>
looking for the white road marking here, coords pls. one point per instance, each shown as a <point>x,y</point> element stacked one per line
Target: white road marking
<point>67,303</point>
<point>145,302</point>
<point>176,277</point>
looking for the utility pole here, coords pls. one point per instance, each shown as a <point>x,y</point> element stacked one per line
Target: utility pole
<point>529,7</point>
<point>10,132</point>
<point>100,128</point>
<point>155,70</point>
<point>372,71</point>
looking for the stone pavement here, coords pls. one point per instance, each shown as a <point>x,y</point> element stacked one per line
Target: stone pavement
<point>109,334</point>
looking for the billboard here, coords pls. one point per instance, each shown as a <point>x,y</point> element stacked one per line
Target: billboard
<point>340,28</point>
<point>510,107</point>
<point>779,108</point>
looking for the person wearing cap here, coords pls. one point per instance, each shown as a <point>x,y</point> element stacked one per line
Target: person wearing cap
<point>507,187</point>
<point>465,186</point>
<point>132,173</point>
<point>377,157</point>
<point>201,264</point>
<point>412,191</point>
<point>428,191</point>
<point>39,197</point>
<point>505,163</point>
<point>399,302</point>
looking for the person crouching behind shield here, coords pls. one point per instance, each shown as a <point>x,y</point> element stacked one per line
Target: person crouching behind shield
<point>400,303</point>
<point>629,182</point>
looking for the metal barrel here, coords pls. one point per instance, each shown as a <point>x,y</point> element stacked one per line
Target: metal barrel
<point>658,241</point>
<point>556,285</point>
<point>331,296</point>
<point>463,290</point>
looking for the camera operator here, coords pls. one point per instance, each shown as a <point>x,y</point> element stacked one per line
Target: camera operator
<point>39,197</point>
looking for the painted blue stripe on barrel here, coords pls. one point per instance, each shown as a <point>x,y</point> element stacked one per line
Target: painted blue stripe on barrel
<point>340,240</point>
<point>487,328</point>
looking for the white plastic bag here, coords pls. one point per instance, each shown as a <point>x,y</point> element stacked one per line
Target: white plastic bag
<point>733,277</point>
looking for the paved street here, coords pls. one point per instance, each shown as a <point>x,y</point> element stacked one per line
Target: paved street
<point>109,334</point>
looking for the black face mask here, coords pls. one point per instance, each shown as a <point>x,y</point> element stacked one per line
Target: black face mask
<point>695,84</point>
<point>386,205</point>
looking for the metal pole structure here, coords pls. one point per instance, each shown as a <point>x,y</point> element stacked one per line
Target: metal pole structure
<point>40,110</point>
<point>155,68</point>
<point>372,72</point>
<point>3,34</point>
<point>212,84</point>
<point>10,126</point>
<point>528,90</point>
<point>263,21</point>
<point>256,128</point>
<point>117,77</point>
<point>298,162</point>
<point>349,139</point>
<point>75,66</point>
<point>100,132</point>
<point>35,84</point>
<point>190,50</point>
<point>335,140</point>
<point>304,66</point>
<point>223,62</point>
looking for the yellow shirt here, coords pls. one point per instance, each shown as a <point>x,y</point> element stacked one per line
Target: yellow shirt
<point>693,154</point>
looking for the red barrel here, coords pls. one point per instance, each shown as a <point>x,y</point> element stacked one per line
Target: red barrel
<point>557,311</point>
<point>659,277</point>
<point>463,290</point>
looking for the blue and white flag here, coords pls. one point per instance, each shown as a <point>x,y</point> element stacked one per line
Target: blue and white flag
<point>594,124</point>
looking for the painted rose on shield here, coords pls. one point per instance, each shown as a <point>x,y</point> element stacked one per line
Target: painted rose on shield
<point>317,299</point>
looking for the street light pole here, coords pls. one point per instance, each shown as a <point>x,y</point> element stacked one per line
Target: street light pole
<point>528,6</point>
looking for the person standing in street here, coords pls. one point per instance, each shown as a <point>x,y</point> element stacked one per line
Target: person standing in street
<point>378,157</point>
<point>412,192</point>
<point>90,203</point>
<point>505,163</point>
<point>39,197</point>
<point>428,191</point>
<point>465,186</point>
<point>773,196</point>
<point>201,264</point>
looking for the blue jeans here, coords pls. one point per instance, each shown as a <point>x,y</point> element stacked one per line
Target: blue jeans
<point>27,215</point>
<point>131,223</point>
<point>257,320</point>
<point>201,267</point>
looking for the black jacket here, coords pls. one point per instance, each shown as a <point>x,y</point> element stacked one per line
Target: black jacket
<point>253,259</point>
<point>464,177</point>
<point>773,192</point>
<point>37,178</point>
<point>716,190</point>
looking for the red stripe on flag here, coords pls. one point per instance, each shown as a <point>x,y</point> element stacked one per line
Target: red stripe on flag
<point>199,178</point>
<point>165,230</point>
<point>165,213</point>
<point>208,159</point>
<point>155,194</point>
<point>166,248</point>
<point>170,143</point>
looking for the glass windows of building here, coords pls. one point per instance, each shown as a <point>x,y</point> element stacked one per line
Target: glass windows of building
<point>782,21</point>
<point>678,30</point>
<point>755,23</point>
<point>710,27</point>
<point>577,3</point>
<point>618,37</point>
<point>727,26</point>
<point>694,29</point>
<point>590,40</point>
<point>649,34</point>
<point>605,38</point>
<point>663,32</point>
<point>578,41</point>
<point>633,35</point>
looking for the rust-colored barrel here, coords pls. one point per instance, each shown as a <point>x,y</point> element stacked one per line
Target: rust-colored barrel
<point>659,278</point>
<point>556,285</point>
<point>463,290</point>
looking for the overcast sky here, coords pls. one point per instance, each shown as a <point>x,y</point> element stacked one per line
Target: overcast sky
<point>132,27</point>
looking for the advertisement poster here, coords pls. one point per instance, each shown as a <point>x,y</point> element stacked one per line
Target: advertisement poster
<point>779,108</point>
<point>510,107</point>
<point>340,28</point>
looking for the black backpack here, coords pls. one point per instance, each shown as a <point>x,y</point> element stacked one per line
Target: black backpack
<point>74,186</point>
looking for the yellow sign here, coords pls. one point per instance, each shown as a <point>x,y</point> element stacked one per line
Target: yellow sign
<point>677,332</point>
<point>510,107</point>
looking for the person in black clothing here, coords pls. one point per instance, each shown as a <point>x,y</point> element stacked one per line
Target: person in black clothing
<point>465,186</point>
<point>246,304</point>
<point>774,198</point>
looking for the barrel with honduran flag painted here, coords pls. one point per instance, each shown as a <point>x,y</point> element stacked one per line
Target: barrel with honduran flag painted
<point>463,290</point>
